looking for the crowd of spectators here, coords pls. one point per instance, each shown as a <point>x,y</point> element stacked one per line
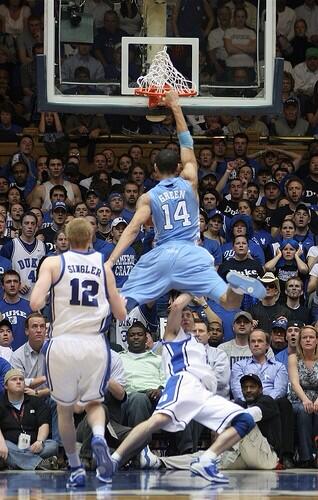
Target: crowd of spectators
<point>258,216</point>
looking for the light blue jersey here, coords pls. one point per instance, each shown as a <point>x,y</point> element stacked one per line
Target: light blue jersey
<point>175,211</point>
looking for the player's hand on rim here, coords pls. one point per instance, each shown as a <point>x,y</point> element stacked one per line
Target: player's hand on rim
<point>170,99</point>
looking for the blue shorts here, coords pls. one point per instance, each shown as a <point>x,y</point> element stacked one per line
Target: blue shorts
<point>180,266</point>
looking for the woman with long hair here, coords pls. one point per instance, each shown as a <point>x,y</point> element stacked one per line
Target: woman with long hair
<point>303,376</point>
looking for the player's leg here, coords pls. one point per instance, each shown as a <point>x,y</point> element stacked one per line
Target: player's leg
<point>150,278</point>
<point>138,436</point>
<point>94,375</point>
<point>194,272</point>
<point>232,423</point>
<point>230,296</point>
<point>97,421</point>
<point>68,435</point>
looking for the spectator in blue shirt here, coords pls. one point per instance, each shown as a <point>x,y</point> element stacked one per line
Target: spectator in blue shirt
<point>4,368</point>
<point>124,265</point>
<point>240,225</point>
<point>212,246</point>
<point>273,374</point>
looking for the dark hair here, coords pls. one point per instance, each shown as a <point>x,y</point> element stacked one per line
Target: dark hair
<point>289,77</point>
<point>137,324</point>
<point>315,96</point>
<point>25,136</point>
<point>300,20</point>
<point>7,3</point>
<point>253,184</point>
<point>58,187</point>
<point>204,214</point>
<point>28,213</point>
<point>37,208</point>
<point>20,162</point>
<point>124,9</point>
<point>6,107</point>
<point>129,181</point>
<point>17,189</point>
<point>10,272</point>
<point>200,319</point>
<point>81,70</point>
<point>167,161</point>
<point>241,135</point>
<point>54,157</point>
<point>211,191</point>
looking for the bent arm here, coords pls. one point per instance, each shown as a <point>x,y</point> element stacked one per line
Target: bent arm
<point>43,284</point>
<point>174,317</point>
<point>312,285</point>
<point>143,212</point>
<point>117,302</point>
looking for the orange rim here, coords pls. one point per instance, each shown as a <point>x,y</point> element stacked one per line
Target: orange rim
<point>153,91</point>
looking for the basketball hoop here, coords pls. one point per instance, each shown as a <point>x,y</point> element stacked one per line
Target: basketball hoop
<point>162,77</point>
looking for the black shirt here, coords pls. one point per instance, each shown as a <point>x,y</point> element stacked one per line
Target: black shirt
<point>281,213</point>
<point>266,314</point>
<point>270,425</point>
<point>229,208</point>
<point>311,191</point>
<point>301,314</point>
<point>33,413</point>
<point>249,267</point>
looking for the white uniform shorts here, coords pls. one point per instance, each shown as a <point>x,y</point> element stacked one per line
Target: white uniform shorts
<point>77,368</point>
<point>185,398</point>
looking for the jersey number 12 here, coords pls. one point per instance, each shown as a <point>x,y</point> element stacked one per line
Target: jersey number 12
<point>87,295</point>
<point>180,213</point>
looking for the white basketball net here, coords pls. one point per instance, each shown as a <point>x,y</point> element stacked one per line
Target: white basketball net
<point>163,74</point>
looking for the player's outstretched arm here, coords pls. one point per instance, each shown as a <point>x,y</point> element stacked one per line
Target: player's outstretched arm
<point>188,159</point>
<point>143,212</point>
<point>175,314</point>
<point>44,282</point>
<point>117,302</point>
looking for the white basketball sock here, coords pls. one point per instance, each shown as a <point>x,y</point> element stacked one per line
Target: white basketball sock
<point>208,456</point>
<point>73,460</point>
<point>98,430</point>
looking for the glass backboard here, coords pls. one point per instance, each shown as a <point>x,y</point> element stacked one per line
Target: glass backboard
<point>72,35</point>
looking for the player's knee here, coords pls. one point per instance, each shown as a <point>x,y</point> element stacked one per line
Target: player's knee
<point>157,421</point>
<point>243,424</point>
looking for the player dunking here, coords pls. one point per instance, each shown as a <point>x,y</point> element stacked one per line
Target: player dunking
<point>177,262</point>
<point>190,394</point>
<point>77,357</point>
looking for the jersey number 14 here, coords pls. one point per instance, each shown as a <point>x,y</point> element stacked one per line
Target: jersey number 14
<point>180,214</point>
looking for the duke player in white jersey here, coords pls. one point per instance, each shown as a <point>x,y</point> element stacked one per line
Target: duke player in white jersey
<point>190,395</point>
<point>77,356</point>
<point>177,262</point>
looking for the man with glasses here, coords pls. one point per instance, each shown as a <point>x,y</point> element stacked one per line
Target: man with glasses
<point>269,308</point>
